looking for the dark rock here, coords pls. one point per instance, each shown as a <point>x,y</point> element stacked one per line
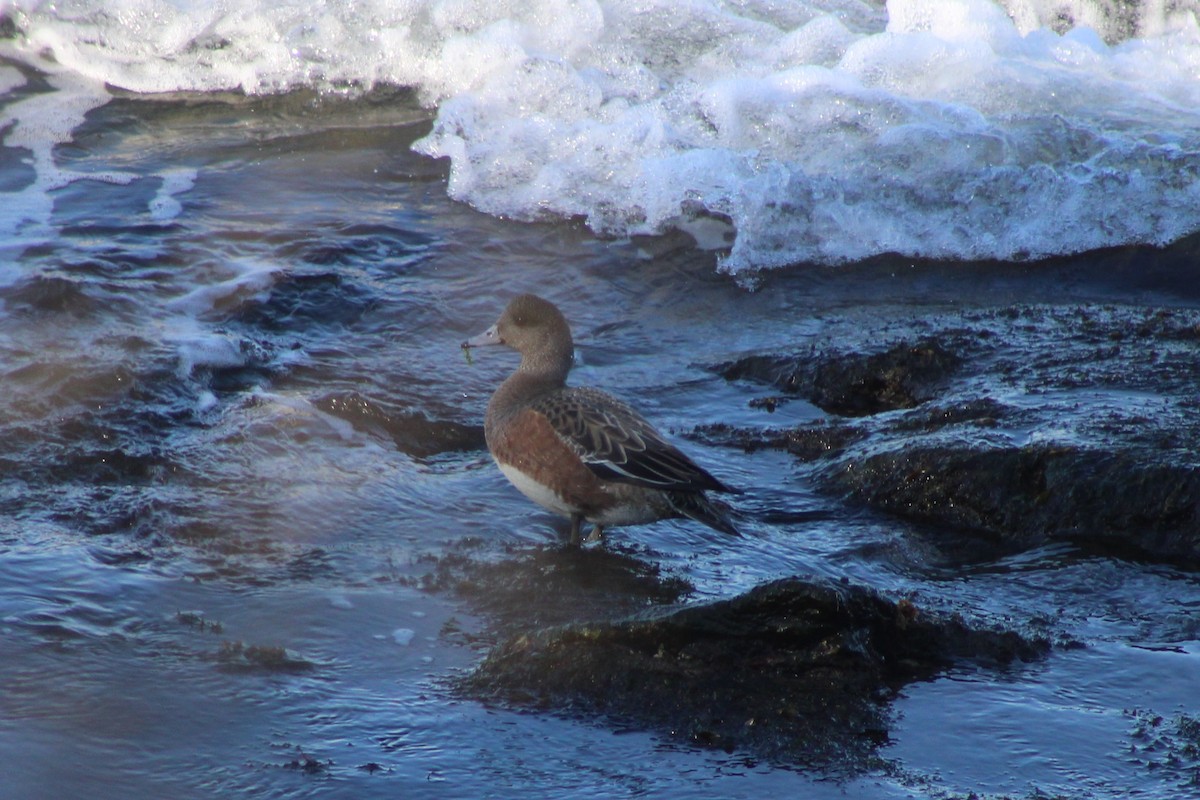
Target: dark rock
<point>806,442</point>
<point>1113,501</point>
<point>791,670</point>
<point>852,384</point>
<point>768,404</point>
<point>8,27</point>
<point>1167,747</point>
<point>412,431</point>
<point>1108,391</point>
<point>51,294</point>
<point>982,412</point>
<point>269,659</point>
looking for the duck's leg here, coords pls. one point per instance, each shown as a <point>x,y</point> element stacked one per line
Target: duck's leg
<point>576,534</point>
<point>597,533</point>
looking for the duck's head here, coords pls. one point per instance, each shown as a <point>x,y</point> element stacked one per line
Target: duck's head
<point>536,329</point>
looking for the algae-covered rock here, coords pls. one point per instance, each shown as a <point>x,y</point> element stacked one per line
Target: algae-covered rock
<point>790,670</point>
<point>1029,424</point>
<point>1114,501</point>
<point>853,384</point>
<point>807,443</point>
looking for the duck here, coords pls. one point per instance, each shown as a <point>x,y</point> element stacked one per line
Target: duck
<point>580,452</point>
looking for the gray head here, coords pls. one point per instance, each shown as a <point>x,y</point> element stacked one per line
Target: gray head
<point>537,330</point>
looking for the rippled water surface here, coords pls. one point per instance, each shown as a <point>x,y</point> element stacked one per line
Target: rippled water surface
<point>238,431</point>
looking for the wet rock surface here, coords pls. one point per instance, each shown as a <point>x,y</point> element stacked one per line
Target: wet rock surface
<point>792,670</point>
<point>986,431</point>
<point>807,444</point>
<point>1027,423</point>
<point>1168,747</point>
<point>853,384</point>
<point>978,433</point>
<point>1110,501</point>
<point>798,671</point>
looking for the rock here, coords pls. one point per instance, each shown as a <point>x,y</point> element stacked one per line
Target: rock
<point>412,431</point>
<point>298,301</point>
<point>1035,423</point>
<point>808,443</point>
<point>1114,501</point>
<point>791,670</point>
<point>982,412</point>
<point>1166,746</point>
<point>852,384</point>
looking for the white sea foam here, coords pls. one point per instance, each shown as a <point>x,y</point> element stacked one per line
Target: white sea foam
<point>339,600</point>
<point>10,78</point>
<point>232,284</point>
<point>34,126</point>
<point>197,350</point>
<point>164,207</point>
<point>299,408</point>
<point>820,130</point>
<point>224,287</point>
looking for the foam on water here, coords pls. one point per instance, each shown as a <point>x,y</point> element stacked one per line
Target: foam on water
<point>10,79</point>
<point>165,207</point>
<point>195,344</point>
<point>822,131</point>
<point>228,286</point>
<point>34,125</point>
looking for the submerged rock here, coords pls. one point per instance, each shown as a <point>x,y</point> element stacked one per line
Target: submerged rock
<point>852,384</point>
<point>802,672</point>
<point>1168,747</point>
<point>795,671</point>
<point>412,431</point>
<point>791,670</point>
<point>807,443</point>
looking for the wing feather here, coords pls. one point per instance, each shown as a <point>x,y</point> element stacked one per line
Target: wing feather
<point>618,444</point>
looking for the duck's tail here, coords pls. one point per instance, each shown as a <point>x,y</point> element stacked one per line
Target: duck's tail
<point>700,507</point>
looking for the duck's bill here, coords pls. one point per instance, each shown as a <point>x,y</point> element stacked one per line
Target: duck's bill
<point>489,337</point>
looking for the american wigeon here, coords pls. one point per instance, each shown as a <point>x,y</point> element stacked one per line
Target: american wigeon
<point>580,452</point>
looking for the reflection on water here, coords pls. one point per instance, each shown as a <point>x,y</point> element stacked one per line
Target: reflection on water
<point>239,441</point>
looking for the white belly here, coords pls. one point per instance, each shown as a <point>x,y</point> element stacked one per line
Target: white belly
<point>537,492</point>
<point>632,506</point>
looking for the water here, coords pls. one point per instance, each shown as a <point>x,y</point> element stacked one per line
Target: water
<point>817,131</point>
<point>232,285</point>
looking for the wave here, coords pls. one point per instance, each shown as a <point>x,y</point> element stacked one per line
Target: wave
<point>824,131</point>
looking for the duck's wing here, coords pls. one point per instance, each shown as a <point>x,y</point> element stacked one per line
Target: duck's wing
<point>618,444</point>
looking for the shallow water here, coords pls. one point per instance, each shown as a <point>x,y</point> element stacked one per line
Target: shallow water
<point>236,417</point>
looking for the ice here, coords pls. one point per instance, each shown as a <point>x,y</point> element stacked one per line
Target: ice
<point>823,131</point>
<point>950,134</point>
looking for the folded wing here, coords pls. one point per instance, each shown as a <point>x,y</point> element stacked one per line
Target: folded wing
<point>618,444</point>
